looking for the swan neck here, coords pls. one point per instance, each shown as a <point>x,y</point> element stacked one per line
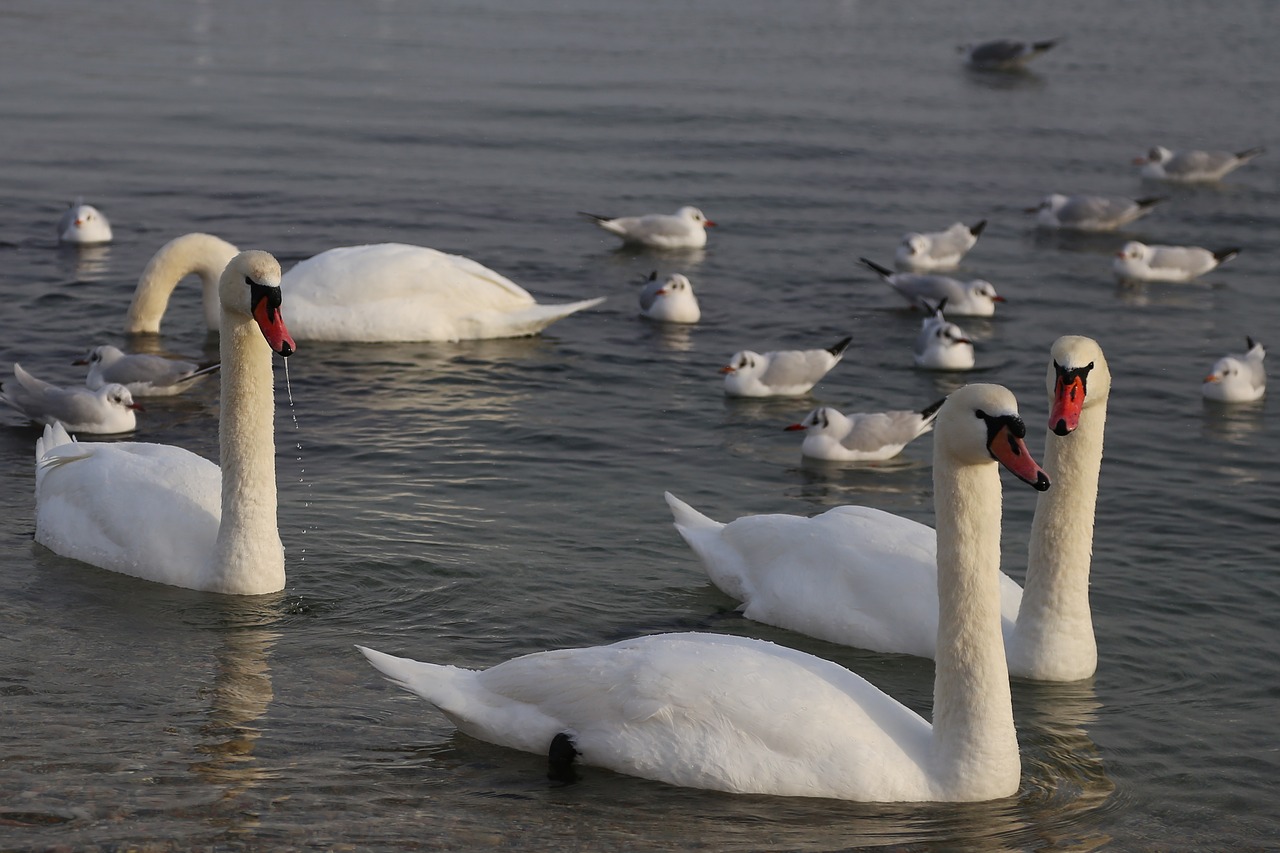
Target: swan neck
<point>975,744</point>
<point>200,254</point>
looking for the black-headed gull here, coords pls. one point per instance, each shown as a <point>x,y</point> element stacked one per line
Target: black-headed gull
<point>1090,212</point>
<point>110,409</point>
<point>1192,166</point>
<point>976,298</point>
<point>684,229</point>
<point>783,373</point>
<point>864,436</point>
<point>1238,378</point>
<point>942,345</point>
<point>670,301</point>
<point>1142,262</point>
<point>1004,54</point>
<point>84,225</point>
<point>144,375</point>
<point>937,250</point>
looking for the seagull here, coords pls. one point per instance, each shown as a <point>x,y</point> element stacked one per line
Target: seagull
<point>941,345</point>
<point>84,225</point>
<point>1004,54</point>
<point>1192,166</point>
<point>862,437</point>
<point>976,298</point>
<point>143,375</point>
<point>110,409</point>
<point>937,250</point>
<point>1090,212</point>
<point>670,301</point>
<point>684,229</point>
<point>1238,378</point>
<point>786,373</point>
<point>1140,262</point>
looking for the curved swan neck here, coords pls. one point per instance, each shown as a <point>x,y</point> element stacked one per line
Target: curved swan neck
<point>1054,630</point>
<point>249,557</point>
<point>201,254</point>
<point>975,744</point>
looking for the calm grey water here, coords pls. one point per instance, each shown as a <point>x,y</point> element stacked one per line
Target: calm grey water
<point>467,503</point>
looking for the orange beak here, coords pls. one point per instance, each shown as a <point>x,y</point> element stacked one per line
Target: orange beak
<point>1011,452</point>
<point>1068,401</point>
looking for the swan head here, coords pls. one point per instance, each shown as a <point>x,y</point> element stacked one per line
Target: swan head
<point>250,287</point>
<point>1077,379</point>
<point>696,216</point>
<point>980,423</point>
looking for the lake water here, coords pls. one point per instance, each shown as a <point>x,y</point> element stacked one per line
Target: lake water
<point>467,503</point>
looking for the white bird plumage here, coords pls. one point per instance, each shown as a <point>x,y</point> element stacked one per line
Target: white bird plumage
<point>670,301</point>
<point>107,410</point>
<point>1238,378</point>
<point>941,344</point>
<point>937,250</point>
<point>1090,212</point>
<point>84,225</point>
<point>747,716</point>
<point>863,436</point>
<point>861,577</point>
<point>684,229</point>
<point>780,373</point>
<point>1192,166</point>
<point>162,513</point>
<point>1147,262</point>
<point>975,298</point>
<point>144,375</point>
<point>380,292</point>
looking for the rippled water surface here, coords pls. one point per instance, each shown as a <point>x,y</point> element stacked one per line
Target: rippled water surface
<point>467,503</point>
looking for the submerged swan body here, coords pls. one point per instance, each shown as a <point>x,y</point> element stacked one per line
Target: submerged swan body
<point>380,292</point>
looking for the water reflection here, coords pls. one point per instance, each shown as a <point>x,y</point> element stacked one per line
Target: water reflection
<point>85,264</point>
<point>1235,423</point>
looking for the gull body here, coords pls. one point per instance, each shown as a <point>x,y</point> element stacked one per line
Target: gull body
<point>781,373</point>
<point>144,375</point>
<point>942,345</point>
<point>1238,378</point>
<point>83,224</point>
<point>103,411</point>
<point>1004,54</point>
<point>1193,166</point>
<point>1090,212</point>
<point>975,298</point>
<point>1143,262</point>
<point>670,301</point>
<point>684,229</point>
<point>937,250</point>
<point>833,436</point>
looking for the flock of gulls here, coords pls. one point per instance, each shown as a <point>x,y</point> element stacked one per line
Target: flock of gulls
<point>692,709</point>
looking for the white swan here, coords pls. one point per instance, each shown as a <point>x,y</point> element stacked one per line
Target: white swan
<point>381,292</point>
<point>866,578</point>
<point>742,715</point>
<point>162,513</point>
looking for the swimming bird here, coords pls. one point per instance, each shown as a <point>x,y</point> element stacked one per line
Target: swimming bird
<point>144,375</point>
<point>670,301</point>
<point>83,224</point>
<point>1193,166</point>
<point>937,250</point>
<point>1240,378</point>
<point>865,578</point>
<point>104,411</point>
<point>380,292</point>
<point>1004,54</point>
<point>1142,262</point>
<point>743,715</point>
<point>782,373</point>
<point>684,229</point>
<point>1090,212</point>
<point>941,344</point>
<point>863,436</point>
<point>162,513</point>
<point>975,298</point>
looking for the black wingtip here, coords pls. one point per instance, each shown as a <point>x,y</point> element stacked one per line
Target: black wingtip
<point>885,272</point>
<point>1250,153</point>
<point>930,411</point>
<point>977,228</point>
<point>1149,200</point>
<point>1223,255</point>
<point>594,217</point>
<point>1042,46</point>
<point>840,346</point>
<point>1250,343</point>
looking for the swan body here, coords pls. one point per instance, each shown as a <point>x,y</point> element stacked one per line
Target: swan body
<point>747,716</point>
<point>862,577</point>
<point>162,513</point>
<point>105,410</point>
<point>380,292</point>
<point>942,345</point>
<point>976,298</point>
<point>670,301</point>
<point>781,373</point>
<point>937,250</point>
<point>1142,262</point>
<point>1090,212</point>
<point>83,224</point>
<point>144,375</point>
<point>862,437</point>
<point>1192,166</point>
<point>1238,378</point>
<point>684,229</point>
<point>1004,54</point>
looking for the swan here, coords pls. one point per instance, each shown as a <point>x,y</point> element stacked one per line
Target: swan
<point>866,578</point>
<point>144,375</point>
<point>380,292</point>
<point>161,513</point>
<point>780,373</point>
<point>937,250</point>
<point>747,716</point>
<point>83,225</point>
<point>684,229</point>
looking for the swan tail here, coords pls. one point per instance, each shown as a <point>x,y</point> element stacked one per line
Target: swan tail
<point>723,565</point>
<point>537,317</point>
<point>55,436</point>
<point>439,684</point>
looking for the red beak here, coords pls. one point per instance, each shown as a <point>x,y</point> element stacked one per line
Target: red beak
<point>1011,452</point>
<point>1068,401</point>
<point>273,328</point>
